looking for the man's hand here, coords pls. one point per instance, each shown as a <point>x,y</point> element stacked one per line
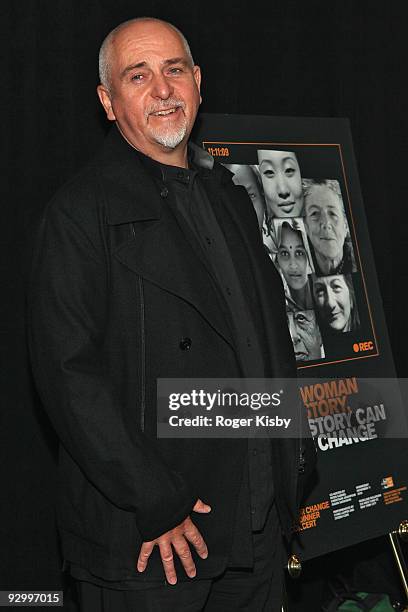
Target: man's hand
<point>177,538</point>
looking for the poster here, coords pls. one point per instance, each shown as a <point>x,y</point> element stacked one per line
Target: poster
<point>301,176</point>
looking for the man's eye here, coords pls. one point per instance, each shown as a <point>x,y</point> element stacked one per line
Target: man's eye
<point>137,77</point>
<point>175,70</point>
<point>300,318</point>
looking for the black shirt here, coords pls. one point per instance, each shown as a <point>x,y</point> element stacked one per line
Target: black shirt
<point>192,205</point>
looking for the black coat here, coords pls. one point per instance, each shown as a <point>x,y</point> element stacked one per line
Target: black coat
<point>115,290</point>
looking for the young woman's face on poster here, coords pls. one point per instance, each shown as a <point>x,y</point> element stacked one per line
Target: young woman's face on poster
<point>292,258</point>
<point>281,181</point>
<point>334,301</point>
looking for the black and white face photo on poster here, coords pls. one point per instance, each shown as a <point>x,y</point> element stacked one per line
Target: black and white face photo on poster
<point>281,182</point>
<point>294,262</point>
<point>336,303</point>
<point>327,228</point>
<point>305,231</point>
<point>306,336</point>
<point>247,176</point>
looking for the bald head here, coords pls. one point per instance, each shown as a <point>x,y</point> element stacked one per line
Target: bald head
<point>106,49</point>
<point>152,88</point>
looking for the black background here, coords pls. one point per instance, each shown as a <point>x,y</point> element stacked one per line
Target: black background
<point>295,58</point>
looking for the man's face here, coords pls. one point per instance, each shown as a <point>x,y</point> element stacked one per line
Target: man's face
<point>305,335</point>
<point>333,298</point>
<point>281,183</point>
<point>154,91</point>
<point>292,258</point>
<point>325,221</point>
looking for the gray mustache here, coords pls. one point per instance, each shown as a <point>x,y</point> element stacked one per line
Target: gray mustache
<point>170,103</point>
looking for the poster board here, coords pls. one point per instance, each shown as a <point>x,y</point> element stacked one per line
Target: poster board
<point>301,175</point>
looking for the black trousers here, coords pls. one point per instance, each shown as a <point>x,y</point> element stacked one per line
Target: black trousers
<point>257,589</point>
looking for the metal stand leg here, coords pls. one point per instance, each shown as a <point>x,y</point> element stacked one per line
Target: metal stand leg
<point>394,536</point>
<point>294,568</point>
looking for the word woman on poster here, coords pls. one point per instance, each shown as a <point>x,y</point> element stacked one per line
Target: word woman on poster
<point>333,422</point>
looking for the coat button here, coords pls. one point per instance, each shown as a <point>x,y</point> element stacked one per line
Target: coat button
<point>185,344</point>
<point>164,192</point>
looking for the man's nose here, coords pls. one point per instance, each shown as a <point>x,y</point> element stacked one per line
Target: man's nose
<point>161,87</point>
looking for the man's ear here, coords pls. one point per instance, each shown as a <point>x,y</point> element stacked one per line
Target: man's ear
<point>197,78</point>
<point>105,98</point>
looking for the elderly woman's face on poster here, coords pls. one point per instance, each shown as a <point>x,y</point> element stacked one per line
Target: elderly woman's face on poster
<point>292,257</point>
<point>245,176</point>
<point>334,301</point>
<point>305,333</point>
<point>325,221</point>
<point>281,182</point>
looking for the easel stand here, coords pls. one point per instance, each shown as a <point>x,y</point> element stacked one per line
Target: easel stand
<point>295,567</point>
<point>401,532</point>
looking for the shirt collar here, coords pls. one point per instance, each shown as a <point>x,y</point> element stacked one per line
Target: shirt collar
<point>165,173</point>
<point>199,162</point>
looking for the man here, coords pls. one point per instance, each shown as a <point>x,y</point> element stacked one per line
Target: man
<point>136,278</point>
<point>327,229</point>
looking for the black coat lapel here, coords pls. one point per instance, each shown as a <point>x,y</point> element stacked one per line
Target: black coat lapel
<point>159,251</point>
<point>161,254</point>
